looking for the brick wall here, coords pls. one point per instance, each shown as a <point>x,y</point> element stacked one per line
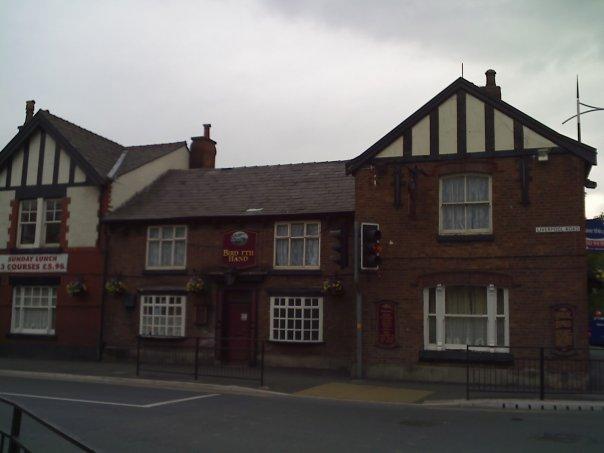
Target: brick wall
<point>127,248</point>
<point>542,270</point>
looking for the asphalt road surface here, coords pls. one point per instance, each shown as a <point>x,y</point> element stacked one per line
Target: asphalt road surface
<point>117,418</point>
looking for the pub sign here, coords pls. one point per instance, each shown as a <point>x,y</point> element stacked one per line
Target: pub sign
<point>239,249</point>
<point>386,324</point>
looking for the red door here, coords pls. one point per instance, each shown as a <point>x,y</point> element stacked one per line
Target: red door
<point>237,329</point>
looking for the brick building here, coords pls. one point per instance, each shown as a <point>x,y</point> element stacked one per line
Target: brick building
<point>481,208</point>
<point>259,240</point>
<point>56,181</point>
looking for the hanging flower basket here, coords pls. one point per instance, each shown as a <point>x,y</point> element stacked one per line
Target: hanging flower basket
<point>75,288</point>
<point>195,285</point>
<point>115,287</point>
<point>334,287</point>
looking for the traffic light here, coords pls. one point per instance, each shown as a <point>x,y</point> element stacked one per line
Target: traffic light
<point>340,246</point>
<point>370,246</point>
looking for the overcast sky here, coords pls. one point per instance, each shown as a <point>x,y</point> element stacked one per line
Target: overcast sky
<point>292,81</point>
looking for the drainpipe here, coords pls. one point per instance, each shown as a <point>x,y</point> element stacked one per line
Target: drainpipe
<point>359,303</point>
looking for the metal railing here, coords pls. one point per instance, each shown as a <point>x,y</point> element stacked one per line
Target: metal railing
<point>232,358</point>
<point>22,431</point>
<point>539,370</point>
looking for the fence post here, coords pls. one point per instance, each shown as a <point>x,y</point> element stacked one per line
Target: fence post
<point>467,372</point>
<point>138,355</point>
<point>541,374</point>
<point>262,364</point>
<point>196,357</point>
<point>15,431</point>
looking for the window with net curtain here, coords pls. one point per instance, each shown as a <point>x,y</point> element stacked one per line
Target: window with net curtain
<point>465,204</point>
<point>297,244</point>
<point>166,247</point>
<point>457,316</point>
<point>34,309</point>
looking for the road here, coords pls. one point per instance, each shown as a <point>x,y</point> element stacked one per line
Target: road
<point>117,418</point>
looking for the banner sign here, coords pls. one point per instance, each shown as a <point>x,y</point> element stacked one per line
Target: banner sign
<point>239,249</point>
<point>33,263</point>
<point>595,234</point>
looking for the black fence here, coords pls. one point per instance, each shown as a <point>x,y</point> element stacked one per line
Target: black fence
<point>22,431</point>
<point>232,358</point>
<point>533,370</point>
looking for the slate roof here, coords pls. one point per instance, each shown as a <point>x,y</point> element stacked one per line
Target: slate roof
<point>137,156</point>
<point>96,153</point>
<point>307,188</point>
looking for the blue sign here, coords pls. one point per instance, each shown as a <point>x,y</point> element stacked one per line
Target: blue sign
<point>595,234</point>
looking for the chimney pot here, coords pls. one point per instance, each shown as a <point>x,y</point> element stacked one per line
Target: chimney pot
<point>491,87</point>
<point>29,110</point>
<point>206,130</point>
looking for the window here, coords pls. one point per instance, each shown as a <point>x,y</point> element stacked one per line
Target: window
<point>297,245</point>
<point>297,319</point>
<point>52,222</point>
<point>166,247</point>
<point>457,316</point>
<point>34,309</point>
<point>39,222</point>
<point>163,316</point>
<point>465,204</point>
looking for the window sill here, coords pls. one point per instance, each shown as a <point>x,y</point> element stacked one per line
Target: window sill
<point>462,238</point>
<point>37,336</point>
<point>460,356</point>
<point>165,272</point>
<point>35,250</point>
<point>277,271</point>
<point>160,339</point>
<point>297,343</point>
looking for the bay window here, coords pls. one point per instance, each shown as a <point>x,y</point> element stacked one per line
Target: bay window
<point>296,319</point>
<point>456,316</point>
<point>166,247</point>
<point>39,223</point>
<point>162,316</point>
<point>465,204</point>
<point>297,245</point>
<point>34,310</point>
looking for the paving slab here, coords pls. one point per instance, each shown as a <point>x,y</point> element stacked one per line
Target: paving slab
<point>363,392</point>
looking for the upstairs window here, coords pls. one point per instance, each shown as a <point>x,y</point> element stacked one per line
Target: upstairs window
<point>465,204</point>
<point>167,247</point>
<point>297,245</point>
<point>39,223</point>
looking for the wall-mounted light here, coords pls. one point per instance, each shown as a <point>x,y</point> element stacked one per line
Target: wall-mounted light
<point>543,154</point>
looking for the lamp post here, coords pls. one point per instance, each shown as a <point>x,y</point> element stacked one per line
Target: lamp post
<point>579,112</point>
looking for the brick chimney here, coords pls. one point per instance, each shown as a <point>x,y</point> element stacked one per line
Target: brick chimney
<point>29,110</point>
<point>203,150</point>
<point>491,88</point>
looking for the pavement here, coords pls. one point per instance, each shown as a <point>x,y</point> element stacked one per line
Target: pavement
<point>325,384</point>
<point>130,418</point>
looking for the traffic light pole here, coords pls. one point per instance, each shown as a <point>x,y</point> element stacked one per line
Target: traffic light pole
<point>359,300</point>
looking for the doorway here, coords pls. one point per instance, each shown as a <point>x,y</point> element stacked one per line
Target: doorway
<point>237,325</point>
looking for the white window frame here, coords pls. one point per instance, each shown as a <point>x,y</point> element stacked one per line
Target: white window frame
<point>17,304</point>
<point>492,316</point>
<point>160,267</point>
<point>46,222</point>
<point>40,234</point>
<point>303,306</point>
<point>289,237</point>
<point>151,300</point>
<point>465,231</point>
